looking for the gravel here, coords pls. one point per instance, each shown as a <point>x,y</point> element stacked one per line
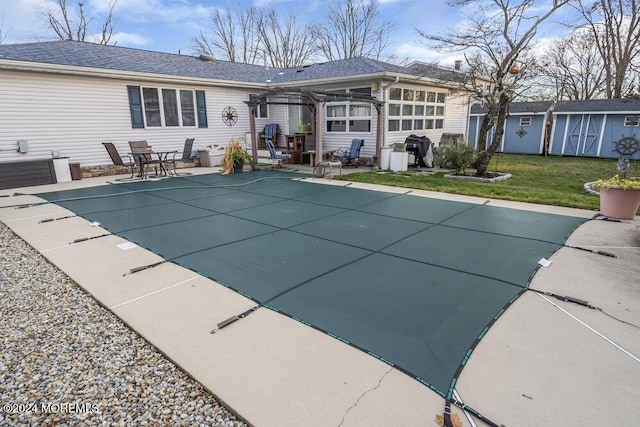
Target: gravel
<point>66,360</point>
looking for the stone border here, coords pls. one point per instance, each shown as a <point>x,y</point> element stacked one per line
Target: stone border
<point>588,187</point>
<point>500,177</point>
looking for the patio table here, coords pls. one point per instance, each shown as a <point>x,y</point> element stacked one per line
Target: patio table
<point>146,158</point>
<point>326,154</point>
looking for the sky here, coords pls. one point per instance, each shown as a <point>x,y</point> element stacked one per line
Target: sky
<point>168,25</point>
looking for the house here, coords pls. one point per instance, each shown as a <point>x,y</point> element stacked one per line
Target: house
<point>595,128</point>
<point>525,128</point>
<point>68,97</point>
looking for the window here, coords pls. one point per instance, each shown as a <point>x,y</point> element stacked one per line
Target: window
<point>413,109</point>
<point>188,108</point>
<point>159,107</point>
<point>336,111</point>
<point>525,121</point>
<point>632,121</point>
<point>350,116</point>
<point>170,107</point>
<point>261,111</point>
<point>151,106</point>
<point>361,90</point>
<point>336,126</point>
<point>394,109</point>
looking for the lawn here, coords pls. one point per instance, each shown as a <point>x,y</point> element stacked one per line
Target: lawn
<point>536,179</point>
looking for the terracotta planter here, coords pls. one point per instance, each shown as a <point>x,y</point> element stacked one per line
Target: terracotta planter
<point>618,202</point>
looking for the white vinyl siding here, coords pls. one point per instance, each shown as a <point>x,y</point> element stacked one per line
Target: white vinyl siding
<point>74,115</point>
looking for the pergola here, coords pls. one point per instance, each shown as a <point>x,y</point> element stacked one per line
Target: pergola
<point>314,99</point>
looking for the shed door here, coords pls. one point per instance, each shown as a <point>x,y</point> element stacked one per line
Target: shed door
<point>574,136</point>
<point>591,135</point>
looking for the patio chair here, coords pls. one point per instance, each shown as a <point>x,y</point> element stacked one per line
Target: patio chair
<point>351,154</point>
<point>117,160</point>
<point>141,151</point>
<point>186,156</point>
<point>270,133</point>
<point>275,157</point>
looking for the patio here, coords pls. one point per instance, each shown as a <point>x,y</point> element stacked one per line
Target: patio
<point>266,354</point>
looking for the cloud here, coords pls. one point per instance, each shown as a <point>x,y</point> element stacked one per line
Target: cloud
<point>129,39</point>
<point>418,52</point>
<point>24,19</point>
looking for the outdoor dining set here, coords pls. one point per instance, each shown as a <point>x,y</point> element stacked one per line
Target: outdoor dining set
<point>144,157</point>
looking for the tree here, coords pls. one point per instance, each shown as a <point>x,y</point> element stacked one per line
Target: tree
<point>285,44</point>
<point>572,68</point>
<point>615,28</point>
<point>233,36</point>
<point>70,24</point>
<point>496,36</point>
<point>3,29</point>
<point>353,28</point>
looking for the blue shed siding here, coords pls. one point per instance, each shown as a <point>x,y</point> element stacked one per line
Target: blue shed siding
<point>615,130</point>
<point>557,135</point>
<point>523,139</point>
<point>589,135</point>
<point>474,126</point>
<point>579,128</point>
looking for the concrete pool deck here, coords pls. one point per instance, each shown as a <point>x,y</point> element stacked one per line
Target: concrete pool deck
<point>544,361</point>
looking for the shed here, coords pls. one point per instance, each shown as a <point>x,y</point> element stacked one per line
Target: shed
<point>593,128</point>
<point>525,128</point>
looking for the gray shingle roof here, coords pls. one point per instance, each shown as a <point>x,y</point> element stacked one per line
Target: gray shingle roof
<point>92,55</point>
<point>339,68</point>
<point>438,72</point>
<point>598,105</point>
<point>537,107</point>
<point>73,53</point>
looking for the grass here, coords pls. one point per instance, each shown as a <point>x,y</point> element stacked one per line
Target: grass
<point>536,179</point>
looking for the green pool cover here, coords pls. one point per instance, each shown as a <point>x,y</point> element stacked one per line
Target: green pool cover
<point>413,281</point>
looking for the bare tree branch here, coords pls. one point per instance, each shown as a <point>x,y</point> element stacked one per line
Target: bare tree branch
<point>4,30</point>
<point>615,27</point>
<point>233,36</point>
<point>285,44</point>
<point>496,36</point>
<point>353,28</point>
<point>70,24</point>
<point>572,68</point>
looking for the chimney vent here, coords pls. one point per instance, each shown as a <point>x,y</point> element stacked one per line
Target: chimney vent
<point>458,65</point>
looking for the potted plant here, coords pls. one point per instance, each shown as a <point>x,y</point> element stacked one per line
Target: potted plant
<point>234,158</point>
<point>619,196</point>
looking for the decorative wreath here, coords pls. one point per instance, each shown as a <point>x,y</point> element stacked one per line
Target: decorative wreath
<point>229,116</point>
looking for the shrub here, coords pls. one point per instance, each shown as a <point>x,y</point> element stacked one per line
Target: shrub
<point>458,156</point>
